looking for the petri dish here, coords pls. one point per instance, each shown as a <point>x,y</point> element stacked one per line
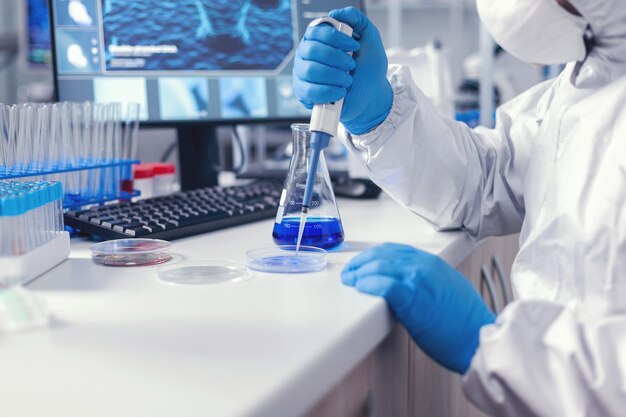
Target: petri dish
<point>203,272</point>
<point>131,252</point>
<point>284,260</point>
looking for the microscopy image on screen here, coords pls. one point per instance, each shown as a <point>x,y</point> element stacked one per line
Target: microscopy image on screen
<point>122,90</point>
<point>286,102</point>
<point>77,52</point>
<point>183,98</point>
<point>197,35</point>
<point>243,97</point>
<point>76,13</point>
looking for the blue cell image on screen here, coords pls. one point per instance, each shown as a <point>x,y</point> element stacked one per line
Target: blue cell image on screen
<point>197,35</point>
<point>243,97</point>
<point>38,32</point>
<point>78,52</point>
<point>183,98</point>
<point>286,102</point>
<point>122,90</point>
<point>76,13</point>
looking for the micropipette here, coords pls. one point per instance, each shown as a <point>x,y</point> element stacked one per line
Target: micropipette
<point>324,123</point>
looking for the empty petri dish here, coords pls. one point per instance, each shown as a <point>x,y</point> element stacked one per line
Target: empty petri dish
<point>131,252</point>
<point>203,272</point>
<point>284,259</point>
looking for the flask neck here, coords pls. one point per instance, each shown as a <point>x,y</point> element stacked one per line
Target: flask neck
<point>301,138</point>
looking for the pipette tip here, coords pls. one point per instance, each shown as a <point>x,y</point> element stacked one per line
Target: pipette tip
<point>303,216</point>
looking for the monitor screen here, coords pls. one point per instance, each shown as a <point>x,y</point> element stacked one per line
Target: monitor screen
<point>38,24</point>
<point>184,60</point>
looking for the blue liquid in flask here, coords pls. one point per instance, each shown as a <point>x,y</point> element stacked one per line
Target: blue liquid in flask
<point>321,232</point>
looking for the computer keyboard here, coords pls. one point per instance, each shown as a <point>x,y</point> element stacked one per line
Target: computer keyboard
<point>182,214</point>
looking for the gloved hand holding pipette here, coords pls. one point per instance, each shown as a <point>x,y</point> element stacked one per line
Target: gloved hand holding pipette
<point>325,54</point>
<point>324,124</point>
<point>324,72</point>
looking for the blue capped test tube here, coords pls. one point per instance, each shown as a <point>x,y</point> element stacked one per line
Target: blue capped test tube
<point>31,215</point>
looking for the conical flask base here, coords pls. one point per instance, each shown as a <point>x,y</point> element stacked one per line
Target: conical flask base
<point>323,228</point>
<point>321,232</point>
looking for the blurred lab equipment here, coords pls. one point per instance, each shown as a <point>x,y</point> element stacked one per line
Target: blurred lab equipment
<point>154,179</point>
<point>32,235</point>
<point>357,188</point>
<point>323,227</point>
<point>88,146</point>
<point>8,49</point>
<point>510,78</point>
<point>431,71</point>
<point>164,178</point>
<point>143,180</point>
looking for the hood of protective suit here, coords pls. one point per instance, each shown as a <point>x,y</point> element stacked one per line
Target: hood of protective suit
<point>607,59</point>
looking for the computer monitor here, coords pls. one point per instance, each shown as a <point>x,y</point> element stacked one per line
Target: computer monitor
<point>38,33</point>
<point>192,64</point>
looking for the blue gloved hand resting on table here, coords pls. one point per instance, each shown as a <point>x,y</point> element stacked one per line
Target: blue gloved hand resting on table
<point>441,310</point>
<point>323,72</point>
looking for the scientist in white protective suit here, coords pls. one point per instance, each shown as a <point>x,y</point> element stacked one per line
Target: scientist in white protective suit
<point>554,168</point>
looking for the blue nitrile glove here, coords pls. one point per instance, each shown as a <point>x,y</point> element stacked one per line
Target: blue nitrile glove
<point>441,310</point>
<point>323,72</point>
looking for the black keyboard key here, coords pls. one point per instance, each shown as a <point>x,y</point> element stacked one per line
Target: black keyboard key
<point>172,224</point>
<point>157,227</point>
<point>138,232</point>
<point>133,225</point>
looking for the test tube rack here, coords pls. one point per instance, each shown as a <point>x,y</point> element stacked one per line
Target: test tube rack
<point>20,270</point>
<point>114,170</point>
<point>32,236</point>
<point>89,147</point>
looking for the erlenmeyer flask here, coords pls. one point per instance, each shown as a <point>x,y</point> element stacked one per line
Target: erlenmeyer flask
<point>323,227</point>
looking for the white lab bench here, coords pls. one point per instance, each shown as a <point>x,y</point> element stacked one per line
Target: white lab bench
<point>123,343</point>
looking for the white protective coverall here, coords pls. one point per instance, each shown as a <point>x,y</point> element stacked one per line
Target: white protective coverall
<point>554,168</point>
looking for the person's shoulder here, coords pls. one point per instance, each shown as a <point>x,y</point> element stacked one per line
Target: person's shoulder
<point>605,106</point>
<point>532,103</point>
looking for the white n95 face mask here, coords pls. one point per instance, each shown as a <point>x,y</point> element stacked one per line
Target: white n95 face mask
<point>535,31</point>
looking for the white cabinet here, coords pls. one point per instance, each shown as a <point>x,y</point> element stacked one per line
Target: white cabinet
<point>397,379</point>
<point>378,386</point>
<point>434,391</point>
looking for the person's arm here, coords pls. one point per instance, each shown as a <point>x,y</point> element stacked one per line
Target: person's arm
<point>454,176</point>
<point>543,359</point>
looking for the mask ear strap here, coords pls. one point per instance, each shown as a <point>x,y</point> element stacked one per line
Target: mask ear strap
<point>589,39</point>
<point>590,42</point>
